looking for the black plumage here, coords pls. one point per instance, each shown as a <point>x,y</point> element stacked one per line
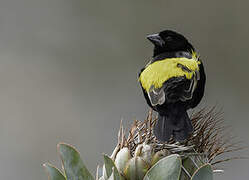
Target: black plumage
<point>178,93</point>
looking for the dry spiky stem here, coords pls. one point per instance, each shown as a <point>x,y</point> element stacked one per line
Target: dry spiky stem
<point>209,138</point>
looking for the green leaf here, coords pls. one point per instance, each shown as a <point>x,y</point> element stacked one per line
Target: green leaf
<point>205,172</point>
<point>111,177</point>
<point>188,168</point>
<point>110,168</point>
<point>53,172</point>
<point>168,168</point>
<point>72,163</point>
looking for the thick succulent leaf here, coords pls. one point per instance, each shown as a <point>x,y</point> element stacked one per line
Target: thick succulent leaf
<point>53,172</point>
<point>111,177</point>
<point>168,168</point>
<point>188,168</point>
<point>205,172</point>
<point>198,158</point>
<point>72,163</point>
<point>110,168</point>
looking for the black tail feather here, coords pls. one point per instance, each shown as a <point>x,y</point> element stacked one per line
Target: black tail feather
<point>177,125</point>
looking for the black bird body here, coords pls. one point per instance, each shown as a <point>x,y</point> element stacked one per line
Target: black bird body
<point>172,83</point>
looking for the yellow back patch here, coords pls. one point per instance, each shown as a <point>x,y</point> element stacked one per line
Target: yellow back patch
<point>160,71</point>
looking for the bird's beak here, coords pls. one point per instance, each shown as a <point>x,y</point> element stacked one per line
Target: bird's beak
<point>156,39</point>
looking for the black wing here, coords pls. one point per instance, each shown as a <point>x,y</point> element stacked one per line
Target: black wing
<point>179,89</point>
<point>199,91</point>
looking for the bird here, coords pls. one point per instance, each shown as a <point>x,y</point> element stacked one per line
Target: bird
<point>172,83</point>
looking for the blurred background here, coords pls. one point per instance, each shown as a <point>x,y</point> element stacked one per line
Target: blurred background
<point>68,72</point>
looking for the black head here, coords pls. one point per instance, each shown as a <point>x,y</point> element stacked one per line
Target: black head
<point>169,41</point>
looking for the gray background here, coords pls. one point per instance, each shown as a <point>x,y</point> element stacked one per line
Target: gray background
<point>68,72</point>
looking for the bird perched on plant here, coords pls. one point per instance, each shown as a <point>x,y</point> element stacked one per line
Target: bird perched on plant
<point>172,82</point>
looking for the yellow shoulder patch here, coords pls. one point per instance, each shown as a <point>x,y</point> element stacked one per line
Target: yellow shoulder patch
<point>160,71</point>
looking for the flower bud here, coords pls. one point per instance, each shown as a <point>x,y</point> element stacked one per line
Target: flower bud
<point>122,158</point>
<point>147,153</point>
<point>136,168</point>
<point>159,155</point>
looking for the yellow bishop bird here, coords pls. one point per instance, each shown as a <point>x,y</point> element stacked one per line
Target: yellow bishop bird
<point>172,82</point>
